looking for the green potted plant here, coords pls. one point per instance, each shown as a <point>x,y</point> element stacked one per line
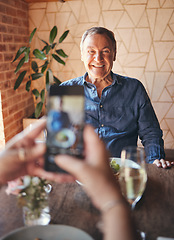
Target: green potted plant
<point>45,56</point>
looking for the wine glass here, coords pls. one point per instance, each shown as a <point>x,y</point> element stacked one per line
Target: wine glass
<point>133,176</point>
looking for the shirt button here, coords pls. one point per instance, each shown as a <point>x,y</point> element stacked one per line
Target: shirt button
<point>102,125</point>
<point>93,88</point>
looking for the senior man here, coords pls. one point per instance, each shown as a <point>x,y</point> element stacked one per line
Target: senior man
<point>118,107</point>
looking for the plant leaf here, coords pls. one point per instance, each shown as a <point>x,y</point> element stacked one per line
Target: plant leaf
<point>53,34</point>
<point>34,66</point>
<point>20,64</point>
<point>57,81</point>
<point>19,79</point>
<point>19,52</point>
<point>36,75</point>
<point>61,53</point>
<point>49,78</point>
<point>42,95</point>
<point>47,49</point>
<point>44,42</point>
<point>58,59</point>
<point>43,68</point>
<point>38,109</point>
<point>32,34</point>
<point>39,54</point>
<point>53,45</point>
<point>64,35</point>
<point>35,92</point>
<point>44,48</point>
<point>27,52</point>
<point>28,85</point>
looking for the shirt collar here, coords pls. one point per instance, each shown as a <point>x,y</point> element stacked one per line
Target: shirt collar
<point>114,77</point>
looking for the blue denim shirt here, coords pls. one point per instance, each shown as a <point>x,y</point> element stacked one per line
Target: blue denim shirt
<point>123,113</point>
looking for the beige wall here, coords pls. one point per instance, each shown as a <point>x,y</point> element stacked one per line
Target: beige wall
<point>144,31</point>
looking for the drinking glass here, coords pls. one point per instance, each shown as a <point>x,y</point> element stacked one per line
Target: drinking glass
<point>133,176</point>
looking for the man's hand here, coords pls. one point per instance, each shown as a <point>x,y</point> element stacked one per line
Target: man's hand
<point>163,163</point>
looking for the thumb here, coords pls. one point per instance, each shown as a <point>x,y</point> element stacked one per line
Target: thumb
<point>70,164</point>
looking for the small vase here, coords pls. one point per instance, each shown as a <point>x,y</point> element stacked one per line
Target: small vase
<point>34,200</point>
<point>36,216</point>
<point>36,211</point>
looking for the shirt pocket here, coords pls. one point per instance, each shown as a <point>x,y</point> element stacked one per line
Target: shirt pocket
<point>122,118</point>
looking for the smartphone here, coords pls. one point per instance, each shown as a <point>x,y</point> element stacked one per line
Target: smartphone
<point>65,124</point>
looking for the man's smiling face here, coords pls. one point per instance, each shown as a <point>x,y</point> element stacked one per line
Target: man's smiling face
<point>98,56</point>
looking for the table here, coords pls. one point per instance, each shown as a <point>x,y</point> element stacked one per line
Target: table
<point>69,205</point>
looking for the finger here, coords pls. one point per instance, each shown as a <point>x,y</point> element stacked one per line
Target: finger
<point>163,162</point>
<point>70,164</point>
<point>168,163</point>
<point>83,171</point>
<point>158,163</point>
<point>37,151</point>
<point>21,154</point>
<point>36,129</point>
<point>55,177</point>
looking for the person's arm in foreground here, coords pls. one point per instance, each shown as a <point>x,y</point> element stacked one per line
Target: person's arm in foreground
<point>23,156</point>
<point>96,175</point>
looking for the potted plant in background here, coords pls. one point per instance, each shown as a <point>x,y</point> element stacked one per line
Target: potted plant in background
<point>40,66</point>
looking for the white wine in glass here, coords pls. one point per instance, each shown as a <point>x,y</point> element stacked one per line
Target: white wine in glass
<point>133,176</point>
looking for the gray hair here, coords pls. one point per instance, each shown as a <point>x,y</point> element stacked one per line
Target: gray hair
<point>102,31</point>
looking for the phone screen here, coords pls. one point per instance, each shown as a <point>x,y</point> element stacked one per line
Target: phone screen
<point>65,124</point>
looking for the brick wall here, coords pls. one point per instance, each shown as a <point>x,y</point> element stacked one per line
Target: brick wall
<point>14,32</point>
